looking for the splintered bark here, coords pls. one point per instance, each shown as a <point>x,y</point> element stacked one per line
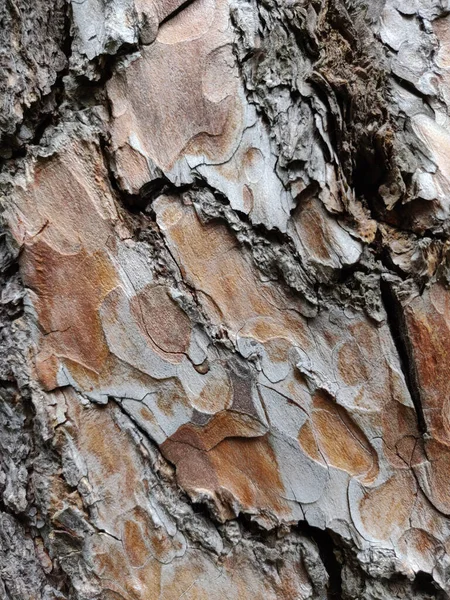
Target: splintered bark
<point>225,305</point>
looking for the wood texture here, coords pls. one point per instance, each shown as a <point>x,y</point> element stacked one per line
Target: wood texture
<point>225,306</point>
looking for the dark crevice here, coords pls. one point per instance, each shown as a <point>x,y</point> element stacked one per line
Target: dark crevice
<point>123,410</point>
<point>328,551</point>
<point>140,203</point>
<point>49,110</point>
<point>396,321</point>
<point>411,88</point>
<point>325,92</point>
<point>424,584</point>
<point>177,11</point>
<point>44,111</point>
<point>369,172</point>
<point>387,261</point>
<point>106,64</point>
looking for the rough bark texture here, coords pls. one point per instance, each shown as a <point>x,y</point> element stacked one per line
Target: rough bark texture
<point>225,305</point>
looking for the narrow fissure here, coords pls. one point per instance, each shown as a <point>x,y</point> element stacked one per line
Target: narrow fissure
<point>327,551</point>
<point>424,584</point>
<point>397,326</point>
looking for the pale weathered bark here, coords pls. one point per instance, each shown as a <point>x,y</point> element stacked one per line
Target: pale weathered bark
<point>225,314</point>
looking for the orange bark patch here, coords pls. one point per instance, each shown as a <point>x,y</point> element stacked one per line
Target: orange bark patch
<point>147,415</point>
<point>420,549</point>
<point>388,507</point>
<point>340,440</point>
<point>134,543</point>
<point>311,229</point>
<point>112,462</point>
<point>232,293</point>
<point>226,424</point>
<point>162,320</point>
<point>308,442</point>
<point>245,469</point>
<point>400,433</point>
<point>69,290</point>
<point>217,393</point>
<point>142,539</point>
<point>352,365</point>
<point>277,349</point>
<point>433,474</point>
<point>69,202</point>
<point>119,579</point>
<point>181,113</point>
<point>133,167</point>
<point>249,470</point>
<point>428,327</point>
<point>47,370</point>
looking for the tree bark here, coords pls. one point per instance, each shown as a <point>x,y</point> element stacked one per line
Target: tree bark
<point>225,306</point>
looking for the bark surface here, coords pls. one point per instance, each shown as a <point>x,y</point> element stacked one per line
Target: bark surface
<point>225,305</point>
